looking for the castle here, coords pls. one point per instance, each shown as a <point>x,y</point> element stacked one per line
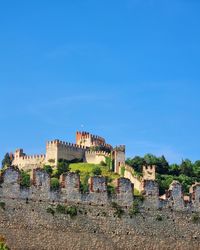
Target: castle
<point>88,148</point>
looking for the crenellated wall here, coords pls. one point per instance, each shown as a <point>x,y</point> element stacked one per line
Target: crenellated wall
<point>63,150</point>
<point>89,140</point>
<point>96,157</point>
<point>26,162</point>
<point>69,191</point>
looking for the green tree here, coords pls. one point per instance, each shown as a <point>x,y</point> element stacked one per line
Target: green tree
<point>136,163</point>
<point>6,162</point>
<point>174,169</point>
<point>186,167</point>
<point>25,179</point>
<point>48,169</point>
<point>62,167</point>
<point>55,183</point>
<point>97,171</point>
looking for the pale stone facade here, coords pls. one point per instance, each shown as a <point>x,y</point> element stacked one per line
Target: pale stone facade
<point>84,150</point>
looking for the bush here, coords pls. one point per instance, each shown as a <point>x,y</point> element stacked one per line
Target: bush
<point>25,179</point>
<point>134,208</point>
<point>50,210</point>
<point>61,209</point>
<point>2,205</point>
<point>110,189</point>
<point>84,187</point>
<point>55,183</point>
<point>71,210</point>
<point>48,169</point>
<point>96,171</point>
<point>139,198</point>
<point>62,167</point>
<point>118,210</point>
<point>77,171</point>
<point>159,217</point>
<point>3,245</point>
<point>195,218</point>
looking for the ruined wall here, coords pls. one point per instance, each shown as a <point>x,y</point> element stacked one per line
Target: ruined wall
<point>98,194</point>
<point>195,196</point>
<point>124,191</point>
<point>151,194</point>
<point>26,224</point>
<point>129,174</point>
<point>149,172</point>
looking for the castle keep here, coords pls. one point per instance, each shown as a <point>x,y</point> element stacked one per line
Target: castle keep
<point>88,148</point>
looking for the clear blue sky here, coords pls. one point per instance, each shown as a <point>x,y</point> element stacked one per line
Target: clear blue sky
<point>126,70</point>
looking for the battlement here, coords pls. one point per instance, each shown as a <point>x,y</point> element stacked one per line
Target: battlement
<point>97,153</point>
<point>121,148</point>
<point>64,144</point>
<point>28,157</point>
<point>69,190</point>
<point>149,172</point>
<point>83,134</point>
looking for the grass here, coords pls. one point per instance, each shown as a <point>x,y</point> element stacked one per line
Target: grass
<point>87,168</point>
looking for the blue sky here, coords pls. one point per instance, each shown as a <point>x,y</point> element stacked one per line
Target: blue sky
<point>126,70</point>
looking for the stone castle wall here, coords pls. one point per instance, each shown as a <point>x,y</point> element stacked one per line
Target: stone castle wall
<point>96,157</point>
<point>70,191</point>
<point>29,162</point>
<point>25,223</point>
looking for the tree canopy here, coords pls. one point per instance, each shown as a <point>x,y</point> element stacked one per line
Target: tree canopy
<point>186,172</point>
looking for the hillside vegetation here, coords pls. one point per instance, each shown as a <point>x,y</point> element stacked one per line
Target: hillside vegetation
<point>186,172</point>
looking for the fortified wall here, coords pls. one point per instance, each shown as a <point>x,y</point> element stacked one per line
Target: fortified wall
<point>69,191</point>
<point>29,218</point>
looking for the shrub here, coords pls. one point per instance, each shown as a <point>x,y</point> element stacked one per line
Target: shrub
<point>110,189</point>
<point>3,245</point>
<point>134,208</point>
<point>139,198</point>
<point>195,218</point>
<point>62,167</point>
<point>25,179</point>
<point>50,210</point>
<point>48,169</point>
<point>118,210</point>
<point>72,211</point>
<point>61,209</point>
<point>77,171</point>
<point>2,205</point>
<point>55,183</point>
<point>97,171</point>
<point>159,217</point>
<point>84,187</point>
